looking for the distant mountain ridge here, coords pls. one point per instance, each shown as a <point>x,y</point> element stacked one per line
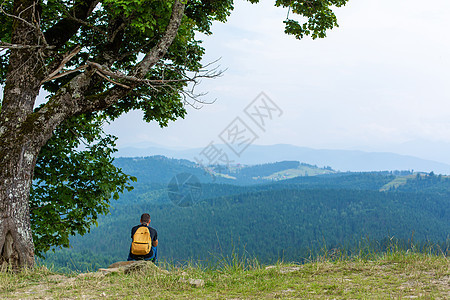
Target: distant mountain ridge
<point>341,160</point>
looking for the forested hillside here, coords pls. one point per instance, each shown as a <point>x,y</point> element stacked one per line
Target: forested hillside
<point>160,169</point>
<point>289,219</point>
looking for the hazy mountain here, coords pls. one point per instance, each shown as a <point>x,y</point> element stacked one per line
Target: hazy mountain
<point>422,148</point>
<point>434,150</point>
<point>342,160</point>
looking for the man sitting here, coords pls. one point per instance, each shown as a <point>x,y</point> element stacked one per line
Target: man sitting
<point>145,241</point>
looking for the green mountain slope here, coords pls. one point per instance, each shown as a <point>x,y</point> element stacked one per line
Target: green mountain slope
<point>160,169</point>
<point>272,225</point>
<point>288,219</point>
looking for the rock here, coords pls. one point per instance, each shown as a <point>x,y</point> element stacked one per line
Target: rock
<point>197,282</point>
<point>141,266</point>
<point>133,267</point>
<point>194,282</point>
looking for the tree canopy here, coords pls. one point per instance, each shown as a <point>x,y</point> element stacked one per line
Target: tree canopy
<point>97,59</point>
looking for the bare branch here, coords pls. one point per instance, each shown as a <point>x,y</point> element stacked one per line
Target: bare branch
<point>65,73</point>
<point>107,71</point>
<point>40,34</point>
<point>64,61</point>
<point>20,46</point>
<point>100,102</point>
<point>150,82</point>
<point>18,17</point>
<point>112,81</point>
<point>36,26</point>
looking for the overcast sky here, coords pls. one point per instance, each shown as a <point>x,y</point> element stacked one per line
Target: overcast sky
<point>379,82</point>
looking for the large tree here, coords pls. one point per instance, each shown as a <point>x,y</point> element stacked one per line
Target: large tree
<point>97,59</point>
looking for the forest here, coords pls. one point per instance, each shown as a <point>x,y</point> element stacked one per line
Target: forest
<point>289,220</point>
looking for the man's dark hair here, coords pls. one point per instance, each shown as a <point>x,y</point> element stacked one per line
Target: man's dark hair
<point>145,218</point>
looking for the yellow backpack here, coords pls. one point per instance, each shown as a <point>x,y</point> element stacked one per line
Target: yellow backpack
<point>142,241</point>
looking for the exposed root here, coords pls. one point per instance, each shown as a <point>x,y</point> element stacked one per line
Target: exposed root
<point>9,258</point>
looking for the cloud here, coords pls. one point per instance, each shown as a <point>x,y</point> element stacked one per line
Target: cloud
<point>381,78</point>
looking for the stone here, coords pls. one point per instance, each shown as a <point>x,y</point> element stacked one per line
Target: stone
<point>133,267</point>
<point>194,282</point>
<point>197,282</point>
<point>141,266</point>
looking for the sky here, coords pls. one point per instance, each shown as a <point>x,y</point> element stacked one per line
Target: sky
<point>379,82</point>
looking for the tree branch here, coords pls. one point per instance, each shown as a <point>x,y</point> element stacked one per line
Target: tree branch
<point>64,61</point>
<point>65,73</point>
<point>33,25</point>
<point>112,81</point>
<point>19,18</point>
<point>150,82</point>
<point>62,105</point>
<point>62,31</point>
<point>72,99</point>
<point>160,49</point>
<point>83,22</point>
<point>20,46</point>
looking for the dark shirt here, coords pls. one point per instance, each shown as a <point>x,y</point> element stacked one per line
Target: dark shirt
<point>153,235</point>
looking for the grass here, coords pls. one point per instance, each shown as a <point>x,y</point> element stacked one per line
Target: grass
<point>398,181</point>
<point>394,274</point>
<point>300,171</point>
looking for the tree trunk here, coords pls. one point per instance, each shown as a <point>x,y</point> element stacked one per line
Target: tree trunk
<point>16,242</point>
<point>19,146</point>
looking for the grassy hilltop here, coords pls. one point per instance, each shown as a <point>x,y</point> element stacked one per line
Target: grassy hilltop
<point>392,275</point>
